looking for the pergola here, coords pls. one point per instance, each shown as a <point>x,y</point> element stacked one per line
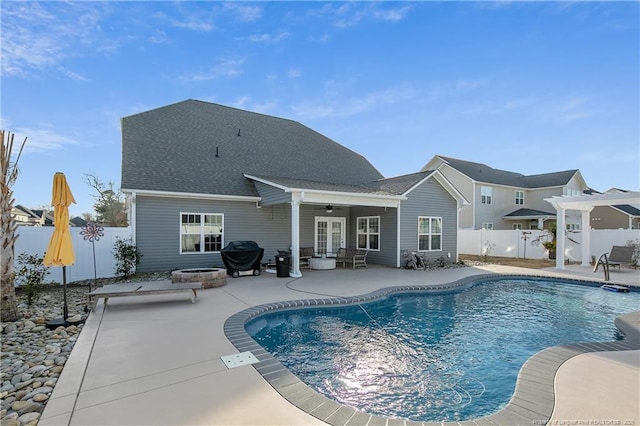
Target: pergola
<point>584,204</point>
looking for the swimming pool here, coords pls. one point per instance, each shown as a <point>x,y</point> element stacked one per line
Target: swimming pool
<point>402,356</point>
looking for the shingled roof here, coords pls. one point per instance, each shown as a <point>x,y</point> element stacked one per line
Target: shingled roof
<point>205,148</point>
<point>483,173</point>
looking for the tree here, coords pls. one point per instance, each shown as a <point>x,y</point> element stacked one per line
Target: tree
<point>109,206</point>
<point>8,175</point>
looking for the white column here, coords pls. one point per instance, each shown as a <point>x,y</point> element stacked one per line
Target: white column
<point>295,235</point>
<point>586,237</point>
<point>560,236</point>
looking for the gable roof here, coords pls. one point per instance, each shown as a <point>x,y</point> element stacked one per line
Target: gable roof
<point>628,209</point>
<point>205,148</point>
<point>528,214</point>
<point>483,173</point>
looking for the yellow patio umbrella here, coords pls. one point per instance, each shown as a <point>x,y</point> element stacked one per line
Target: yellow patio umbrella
<point>60,249</point>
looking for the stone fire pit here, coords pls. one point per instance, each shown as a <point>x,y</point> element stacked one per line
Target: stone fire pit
<point>209,277</point>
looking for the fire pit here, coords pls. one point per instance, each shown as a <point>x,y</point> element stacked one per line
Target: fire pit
<point>209,277</point>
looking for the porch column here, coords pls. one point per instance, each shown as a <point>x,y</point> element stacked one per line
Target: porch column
<point>586,237</point>
<point>560,236</point>
<point>295,235</point>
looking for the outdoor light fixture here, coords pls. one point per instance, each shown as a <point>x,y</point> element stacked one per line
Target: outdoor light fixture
<point>329,208</point>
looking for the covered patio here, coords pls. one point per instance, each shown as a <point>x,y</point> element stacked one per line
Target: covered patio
<point>584,204</point>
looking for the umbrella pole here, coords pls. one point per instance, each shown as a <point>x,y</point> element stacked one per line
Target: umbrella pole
<point>65,311</point>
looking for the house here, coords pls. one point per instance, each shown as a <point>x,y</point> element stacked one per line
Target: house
<point>619,216</point>
<point>501,199</point>
<point>24,216</point>
<point>199,175</point>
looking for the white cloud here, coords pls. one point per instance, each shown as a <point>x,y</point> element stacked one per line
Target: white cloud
<point>40,139</point>
<point>38,36</point>
<point>347,107</point>
<point>244,12</point>
<point>267,38</point>
<point>294,73</point>
<point>224,68</point>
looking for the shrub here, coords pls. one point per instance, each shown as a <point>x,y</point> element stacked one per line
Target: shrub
<point>127,257</point>
<point>636,251</point>
<point>30,274</point>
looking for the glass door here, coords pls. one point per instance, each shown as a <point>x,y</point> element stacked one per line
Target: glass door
<point>329,235</point>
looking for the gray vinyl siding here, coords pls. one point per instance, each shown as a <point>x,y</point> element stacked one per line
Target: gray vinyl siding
<point>271,195</point>
<point>158,235</point>
<point>432,200</point>
<point>388,233</point>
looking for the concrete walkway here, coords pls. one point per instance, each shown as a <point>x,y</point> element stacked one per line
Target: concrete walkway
<point>155,360</point>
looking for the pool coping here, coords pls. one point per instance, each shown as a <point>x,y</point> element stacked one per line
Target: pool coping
<point>531,403</point>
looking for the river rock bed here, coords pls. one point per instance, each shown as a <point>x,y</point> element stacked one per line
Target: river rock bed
<point>32,356</point>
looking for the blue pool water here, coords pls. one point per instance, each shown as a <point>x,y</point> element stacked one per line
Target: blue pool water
<point>443,356</point>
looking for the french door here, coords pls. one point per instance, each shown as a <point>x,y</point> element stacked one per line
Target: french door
<point>329,234</point>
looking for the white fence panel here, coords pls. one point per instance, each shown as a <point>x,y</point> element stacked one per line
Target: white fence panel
<point>511,243</point>
<point>34,241</point>
<point>603,239</point>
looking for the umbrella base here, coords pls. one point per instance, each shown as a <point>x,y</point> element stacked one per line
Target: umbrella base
<point>61,322</point>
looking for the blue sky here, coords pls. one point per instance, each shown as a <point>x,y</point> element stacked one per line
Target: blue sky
<point>530,87</point>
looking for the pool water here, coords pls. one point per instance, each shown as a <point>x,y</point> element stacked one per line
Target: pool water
<point>437,357</point>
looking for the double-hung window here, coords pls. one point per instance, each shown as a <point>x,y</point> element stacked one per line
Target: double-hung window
<point>429,233</point>
<point>201,232</point>
<point>519,198</point>
<point>369,233</point>
<point>485,194</point>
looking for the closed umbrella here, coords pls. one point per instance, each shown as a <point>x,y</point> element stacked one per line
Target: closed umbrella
<point>60,249</point>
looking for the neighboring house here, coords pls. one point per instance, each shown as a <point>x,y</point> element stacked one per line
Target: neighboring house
<point>507,200</point>
<point>620,216</point>
<point>33,217</point>
<point>199,175</point>
<point>28,217</point>
<point>77,222</point>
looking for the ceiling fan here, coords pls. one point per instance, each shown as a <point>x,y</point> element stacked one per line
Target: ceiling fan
<point>329,208</point>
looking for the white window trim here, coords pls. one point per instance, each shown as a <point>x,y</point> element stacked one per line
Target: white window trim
<point>487,226</point>
<point>521,198</point>
<point>201,233</point>
<point>430,234</point>
<point>367,233</point>
<point>486,193</point>
<point>516,226</point>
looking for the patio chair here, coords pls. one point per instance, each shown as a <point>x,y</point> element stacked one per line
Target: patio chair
<point>306,253</point>
<point>621,255</point>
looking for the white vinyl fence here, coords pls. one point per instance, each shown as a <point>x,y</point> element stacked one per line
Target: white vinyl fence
<point>34,241</point>
<point>512,243</point>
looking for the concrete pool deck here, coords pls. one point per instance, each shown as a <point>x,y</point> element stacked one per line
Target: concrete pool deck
<point>157,361</point>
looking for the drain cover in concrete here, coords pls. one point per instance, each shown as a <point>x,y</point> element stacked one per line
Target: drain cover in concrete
<point>238,360</point>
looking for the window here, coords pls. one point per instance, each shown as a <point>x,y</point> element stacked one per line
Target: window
<point>520,198</point>
<point>200,232</point>
<point>573,192</point>
<point>369,233</point>
<point>574,226</point>
<point>485,194</point>
<point>429,233</point>
<point>517,226</point>
<point>487,225</point>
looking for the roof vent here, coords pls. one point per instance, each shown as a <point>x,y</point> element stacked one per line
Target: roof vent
<point>238,132</point>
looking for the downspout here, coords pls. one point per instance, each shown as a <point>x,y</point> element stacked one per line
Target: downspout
<point>133,216</point>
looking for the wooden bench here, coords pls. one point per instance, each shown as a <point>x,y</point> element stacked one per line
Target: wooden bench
<point>145,288</point>
<point>356,257</point>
